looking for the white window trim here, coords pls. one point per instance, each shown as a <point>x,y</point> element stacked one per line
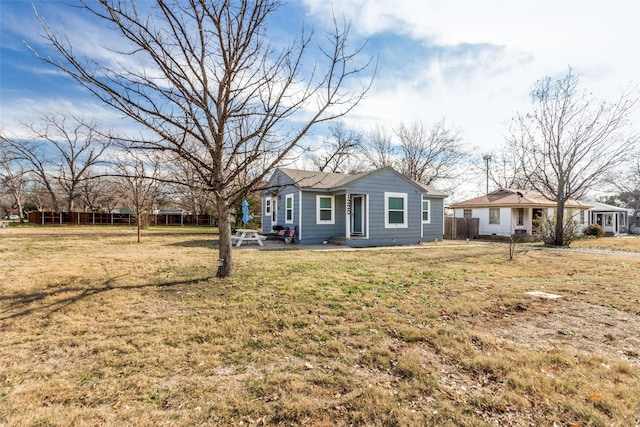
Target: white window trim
<point>274,210</point>
<point>287,209</point>
<point>267,207</point>
<point>428,220</point>
<point>333,210</point>
<point>403,196</point>
<point>499,214</point>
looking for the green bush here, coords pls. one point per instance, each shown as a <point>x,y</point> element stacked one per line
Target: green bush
<point>594,230</point>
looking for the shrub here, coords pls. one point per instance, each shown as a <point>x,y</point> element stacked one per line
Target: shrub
<point>594,230</point>
<point>547,229</point>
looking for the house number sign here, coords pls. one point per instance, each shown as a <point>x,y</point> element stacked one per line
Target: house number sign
<point>348,203</point>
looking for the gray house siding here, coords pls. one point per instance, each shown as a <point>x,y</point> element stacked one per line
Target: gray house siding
<point>282,186</point>
<point>368,193</point>
<point>313,233</point>
<point>435,229</point>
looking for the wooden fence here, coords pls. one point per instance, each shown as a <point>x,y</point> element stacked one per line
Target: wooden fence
<point>461,228</point>
<point>103,218</point>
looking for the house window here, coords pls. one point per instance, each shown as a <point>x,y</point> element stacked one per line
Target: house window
<point>325,212</point>
<point>466,214</point>
<point>520,216</point>
<point>267,206</point>
<point>426,208</point>
<point>494,215</point>
<point>609,220</point>
<point>395,209</point>
<point>581,217</point>
<point>622,220</point>
<point>288,215</point>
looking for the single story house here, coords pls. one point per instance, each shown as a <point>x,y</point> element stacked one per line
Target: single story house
<point>377,208</point>
<point>634,221</point>
<point>512,212</point>
<point>613,219</point>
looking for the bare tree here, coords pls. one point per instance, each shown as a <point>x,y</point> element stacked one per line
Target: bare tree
<point>338,152</point>
<point>627,182</point>
<point>570,140</point>
<point>138,177</point>
<point>505,170</point>
<point>13,178</point>
<point>429,154</point>
<point>61,151</point>
<point>98,192</point>
<point>379,150</point>
<point>190,191</point>
<point>213,79</point>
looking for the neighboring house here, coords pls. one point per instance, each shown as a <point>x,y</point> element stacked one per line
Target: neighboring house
<point>613,219</point>
<point>511,212</point>
<point>634,221</point>
<point>369,209</point>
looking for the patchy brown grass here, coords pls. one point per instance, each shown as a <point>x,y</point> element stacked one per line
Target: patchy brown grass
<point>630,243</point>
<point>99,330</point>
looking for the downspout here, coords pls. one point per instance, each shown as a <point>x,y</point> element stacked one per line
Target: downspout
<point>421,219</point>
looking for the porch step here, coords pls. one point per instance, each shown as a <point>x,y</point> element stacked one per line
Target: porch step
<point>337,240</point>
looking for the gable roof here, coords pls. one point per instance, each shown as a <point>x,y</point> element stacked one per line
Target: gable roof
<point>597,206</point>
<point>313,180</point>
<point>319,180</point>
<point>512,197</point>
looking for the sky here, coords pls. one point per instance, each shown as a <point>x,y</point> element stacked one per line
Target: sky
<point>472,63</point>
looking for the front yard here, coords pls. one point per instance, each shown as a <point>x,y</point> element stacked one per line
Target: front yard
<point>99,330</point>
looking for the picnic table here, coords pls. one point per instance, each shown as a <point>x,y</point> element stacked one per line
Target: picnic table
<point>247,235</point>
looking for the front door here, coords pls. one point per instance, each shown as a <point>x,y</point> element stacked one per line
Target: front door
<point>536,215</point>
<point>357,215</point>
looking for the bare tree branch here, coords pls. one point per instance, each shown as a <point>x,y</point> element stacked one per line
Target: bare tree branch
<point>211,78</point>
<point>570,141</point>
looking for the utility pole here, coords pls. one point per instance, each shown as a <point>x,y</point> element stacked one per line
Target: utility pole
<point>487,160</point>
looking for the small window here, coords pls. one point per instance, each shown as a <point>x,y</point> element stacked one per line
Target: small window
<point>267,206</point>
<point>288,215</point>
<point>582,219</point>
<point>426,209</point>
<point>395,206</point>
<point>494,215</point>
<point>520,216</point>
<point>466,214</point>
<point>325,212</point>
<point>622,220</point>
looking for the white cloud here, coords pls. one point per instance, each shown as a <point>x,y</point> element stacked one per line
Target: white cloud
<point>489,55</point>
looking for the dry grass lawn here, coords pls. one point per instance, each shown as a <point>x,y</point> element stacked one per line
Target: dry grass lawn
<point>96,329</point>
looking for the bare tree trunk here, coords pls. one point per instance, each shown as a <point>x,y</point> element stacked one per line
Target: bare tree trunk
<point>225,261</point>
<point>559,240</point>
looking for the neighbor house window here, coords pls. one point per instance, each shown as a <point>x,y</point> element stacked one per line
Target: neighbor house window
<point>466,214</point>
<point>494,215</point>
<point>520,216</point>
<point>582,217</point>
<point>395,210</point>
<point>288,215</point>
<point>325,212</point>
<point>426,208</point>
<point>267,206</point>
<point>622,220</point>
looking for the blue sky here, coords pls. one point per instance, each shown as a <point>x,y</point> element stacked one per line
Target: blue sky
<point>470,62</point>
